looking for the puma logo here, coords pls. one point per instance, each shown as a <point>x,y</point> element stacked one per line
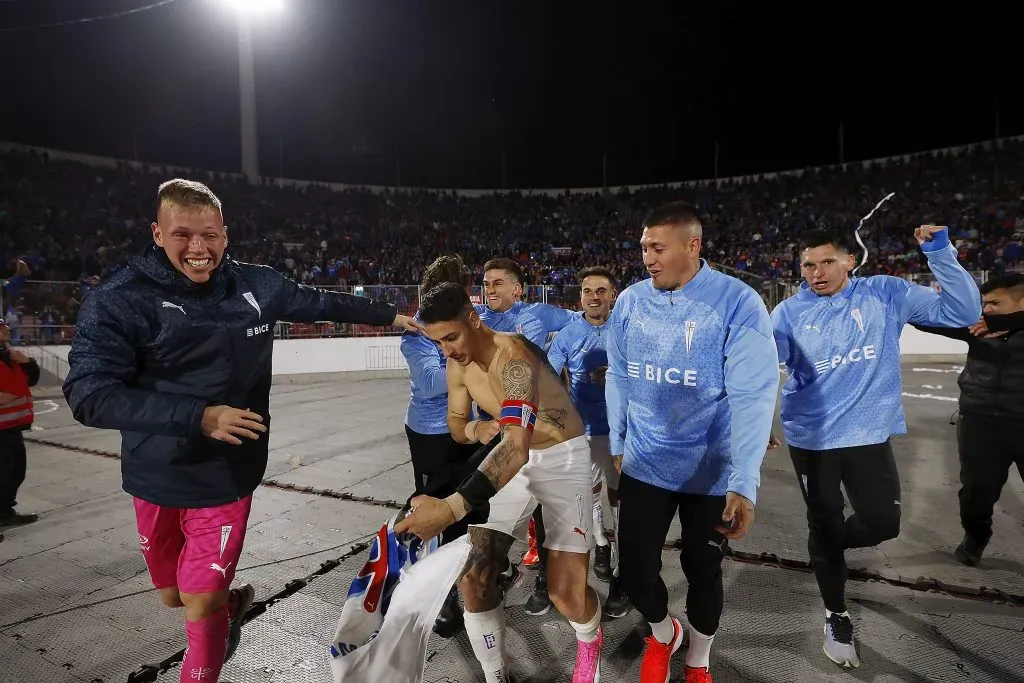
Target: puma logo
<point>223,570</point>
<point>168,304</point>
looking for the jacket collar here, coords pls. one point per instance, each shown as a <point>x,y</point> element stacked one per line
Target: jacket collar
<point>154,265</point>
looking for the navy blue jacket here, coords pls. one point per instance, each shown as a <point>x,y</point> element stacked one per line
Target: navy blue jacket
<point>153,350</point>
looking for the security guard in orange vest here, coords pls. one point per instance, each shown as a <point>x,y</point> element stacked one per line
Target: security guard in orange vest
<point>18,372</point>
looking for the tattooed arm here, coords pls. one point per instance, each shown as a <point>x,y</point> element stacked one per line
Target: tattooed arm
<point>519,380</point>
<point>430,516</point>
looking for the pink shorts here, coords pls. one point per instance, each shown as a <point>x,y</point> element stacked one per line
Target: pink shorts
<point>196,550</point>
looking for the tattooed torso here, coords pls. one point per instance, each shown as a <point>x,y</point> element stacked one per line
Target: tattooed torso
<point>557,419</point>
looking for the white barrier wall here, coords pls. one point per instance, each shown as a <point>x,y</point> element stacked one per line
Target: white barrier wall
<point>915,344</point>
<point>370,354</point>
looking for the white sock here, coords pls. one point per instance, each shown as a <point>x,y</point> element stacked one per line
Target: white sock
<point>486,631</point>
<point>842,614</point>
<point>664,631</point>
<point>588,632</point>
<point>699,653</point>
<point>599,536</point>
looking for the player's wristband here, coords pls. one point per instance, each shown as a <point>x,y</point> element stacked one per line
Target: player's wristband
<point>458,505</point>
<point>476,489</point>
<point>519,414</point>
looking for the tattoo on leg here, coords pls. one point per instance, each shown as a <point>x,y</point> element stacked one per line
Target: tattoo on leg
<point>487,547</point>
<point>553,416</point>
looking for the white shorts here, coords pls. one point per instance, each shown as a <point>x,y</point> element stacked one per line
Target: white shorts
<point>601,457</point>
<point>559,479</point>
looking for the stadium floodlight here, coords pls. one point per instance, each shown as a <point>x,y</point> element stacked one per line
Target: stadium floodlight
<point>256,6</point>
<point>245,10</point>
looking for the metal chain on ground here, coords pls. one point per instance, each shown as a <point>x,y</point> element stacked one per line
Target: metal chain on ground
<point>922,584</point>
<point>329,493</point>
<point>77,449</point>
<point>270,483</point>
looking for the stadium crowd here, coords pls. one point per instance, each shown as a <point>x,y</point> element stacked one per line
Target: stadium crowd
<point>72,222</point>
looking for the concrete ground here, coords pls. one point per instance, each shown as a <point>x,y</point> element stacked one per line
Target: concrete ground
<point>76,604</point>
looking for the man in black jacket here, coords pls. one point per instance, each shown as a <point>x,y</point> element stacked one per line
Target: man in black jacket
<point>991,408</point>
<point>175,352</point>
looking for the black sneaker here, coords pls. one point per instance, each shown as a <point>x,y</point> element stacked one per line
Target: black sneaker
<point>970,550</point>
<point>603,562</point>
<point>509,579</point>
<point>449,621</point>
<point>14,519</point>
<point>239,602</point>
<point>539,603</point>
<point>617,605</point>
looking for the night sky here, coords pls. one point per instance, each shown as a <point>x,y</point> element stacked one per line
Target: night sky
<point>434,92</point>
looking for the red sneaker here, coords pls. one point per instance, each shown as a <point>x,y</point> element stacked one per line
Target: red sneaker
<point>532,557</point>
<point>697,675</point>
<point>654,668</point>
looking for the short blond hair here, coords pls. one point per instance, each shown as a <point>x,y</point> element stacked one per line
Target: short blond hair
<point>188,195</point>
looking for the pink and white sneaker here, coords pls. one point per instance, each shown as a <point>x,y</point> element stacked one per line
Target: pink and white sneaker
<point>588,660</point>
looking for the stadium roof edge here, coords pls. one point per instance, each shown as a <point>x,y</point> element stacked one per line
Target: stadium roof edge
<point>110,162</point>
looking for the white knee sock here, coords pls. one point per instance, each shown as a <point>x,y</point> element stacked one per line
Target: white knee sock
<point>599,536</point>
<point>699,652</point>
<point>587,632</point>
<point>664,631</point>
<point>486,631</point>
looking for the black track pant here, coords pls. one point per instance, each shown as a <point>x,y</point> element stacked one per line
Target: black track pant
<point>645,515</point>
<point>988,448</point>
<point>868,473</point>
<point>13,464</point>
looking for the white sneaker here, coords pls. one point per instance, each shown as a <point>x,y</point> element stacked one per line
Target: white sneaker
<point>839,645</point>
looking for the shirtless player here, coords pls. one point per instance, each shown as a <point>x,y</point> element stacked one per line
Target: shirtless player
<point>543,457</point>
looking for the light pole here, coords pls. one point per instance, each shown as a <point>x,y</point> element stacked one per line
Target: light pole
<point>245,10</point>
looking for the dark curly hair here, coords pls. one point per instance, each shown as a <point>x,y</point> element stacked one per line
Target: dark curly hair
<point>447,268</point>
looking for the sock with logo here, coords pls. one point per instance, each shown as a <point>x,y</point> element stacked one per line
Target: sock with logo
<point>207,644</point>
<point>599,536</point>
<point>486,631</point>
<point>698,654</point>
